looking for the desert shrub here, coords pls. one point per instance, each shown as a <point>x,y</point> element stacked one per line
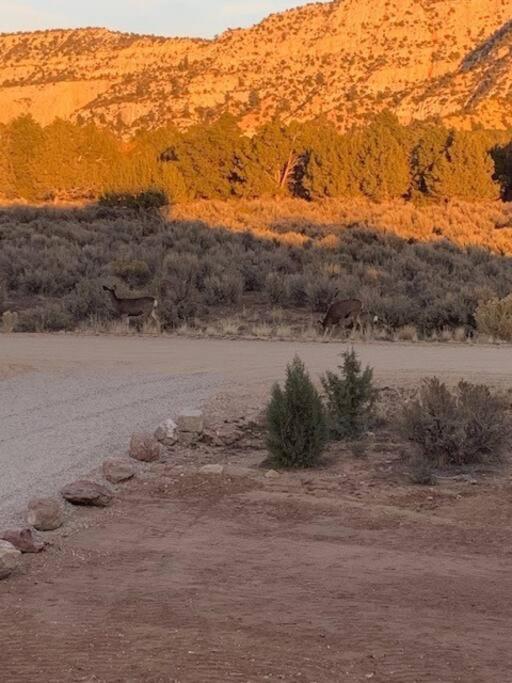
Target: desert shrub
<point>30,320</point>
<point>461,427</point>
<point>321,292</point>
<point>9,321</point>
<point>88,299</point>
<point>296,286</point>
<point>275,288</point>
<point>350,398</point>
<point>138,201</point>
<point>226,288</point>
<point>495,318</point>
<point>55,319</point>
<point>50,318</point>
<point>421,471</point>
<point>135,273</point>
<point>296,423</point>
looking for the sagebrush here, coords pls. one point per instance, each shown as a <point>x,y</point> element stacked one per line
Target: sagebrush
<point>55,260</point>
<point>466,426</point>
<point>494,318</point>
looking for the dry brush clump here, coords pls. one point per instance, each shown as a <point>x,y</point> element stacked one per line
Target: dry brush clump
<point>494,318</point>
<point>467,426</point>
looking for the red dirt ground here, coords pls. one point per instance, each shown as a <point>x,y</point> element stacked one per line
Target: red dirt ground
<point>348,573</point>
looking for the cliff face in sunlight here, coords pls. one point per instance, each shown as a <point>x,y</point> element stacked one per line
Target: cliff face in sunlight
<point>345,59</point>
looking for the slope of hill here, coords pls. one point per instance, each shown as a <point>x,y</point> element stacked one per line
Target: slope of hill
<point>345,59</point>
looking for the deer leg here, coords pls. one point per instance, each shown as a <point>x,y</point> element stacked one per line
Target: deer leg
<point>156,319</point>
<point>358,324</point>
<point>354,325</point>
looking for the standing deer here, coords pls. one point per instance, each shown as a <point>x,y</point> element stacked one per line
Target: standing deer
<point>366,322</point>
<point>138,307</point>
<point>342,312</point>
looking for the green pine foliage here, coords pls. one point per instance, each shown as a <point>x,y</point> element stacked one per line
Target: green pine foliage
<point>465,170</point>
<point>216,160</point>
<point>350,397</point>
<point>296,421</point>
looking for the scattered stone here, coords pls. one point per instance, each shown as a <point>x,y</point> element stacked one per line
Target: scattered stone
<point>239,471</point>
<point>191,421</point>
<point>83,492</point>
<point>191,439</point>
<point>212,469</point>
<point>116,471</point>
<point>167,433</point>
<point>45,514</point>
<point>272,474</point>
<point>23,540</point>
<point>144,448</point>
<point>9,559</point>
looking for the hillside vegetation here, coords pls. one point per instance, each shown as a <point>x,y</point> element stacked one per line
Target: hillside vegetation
<point>345,59</point>
<point>53,263</point>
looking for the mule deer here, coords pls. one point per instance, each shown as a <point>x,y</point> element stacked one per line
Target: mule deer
<point>344,312</point>
<point>137,307</point>
<point>366,322</point>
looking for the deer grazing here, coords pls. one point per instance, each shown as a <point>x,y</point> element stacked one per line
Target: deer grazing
<point>346,312</point>
<point>138,307</point>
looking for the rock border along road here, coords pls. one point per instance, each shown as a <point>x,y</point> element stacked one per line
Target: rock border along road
<point>67,402</point>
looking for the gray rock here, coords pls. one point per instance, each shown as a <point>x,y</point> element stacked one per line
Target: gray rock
<point>167,433</point>
<point>83,492</point>
<point>191,421</point>
<point>45,514</point>
<point>272,474</point>
<point>23,540</point>
<point>9,559</point>
<point>212,469</point>
<point>144,448</point>
<point>116,470</point>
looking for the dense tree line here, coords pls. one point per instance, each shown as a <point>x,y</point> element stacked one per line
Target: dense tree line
<point>312,160</point>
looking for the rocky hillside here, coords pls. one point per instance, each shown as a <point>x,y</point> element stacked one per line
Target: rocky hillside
<point>345,59</point>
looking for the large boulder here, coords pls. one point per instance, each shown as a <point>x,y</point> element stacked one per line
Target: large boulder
<point>167,433</point>
<point>116,470</point>
<point>23,540</point>
<point>9,559</point>
<point>83,492</point>
<point>144,448</point>
<point>45,514</point>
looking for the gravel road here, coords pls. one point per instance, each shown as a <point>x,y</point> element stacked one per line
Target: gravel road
<point>67,402</point>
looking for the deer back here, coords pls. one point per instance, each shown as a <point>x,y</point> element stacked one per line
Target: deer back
<point>342,310</point>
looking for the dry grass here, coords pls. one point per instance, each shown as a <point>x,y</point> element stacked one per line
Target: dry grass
<point>465,224</point>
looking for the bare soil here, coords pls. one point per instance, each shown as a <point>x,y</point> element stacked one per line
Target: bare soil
<point>347,572</point>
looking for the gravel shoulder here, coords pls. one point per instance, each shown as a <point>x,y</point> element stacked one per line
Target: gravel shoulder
<point>67,402</point>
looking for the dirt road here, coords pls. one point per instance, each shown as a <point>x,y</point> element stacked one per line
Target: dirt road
<point>67,402</point>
